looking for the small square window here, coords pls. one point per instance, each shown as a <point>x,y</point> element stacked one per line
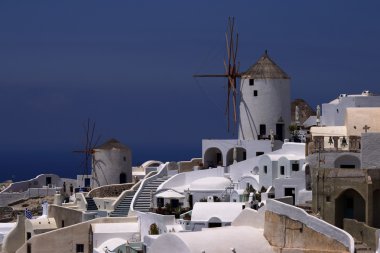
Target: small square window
<point>255,93</point>
<point>282,170</point>
<point>265,169</point>
<point>80,248</point>
<point>327,198</point>
<point>251,82</point>
<point>295,167</point>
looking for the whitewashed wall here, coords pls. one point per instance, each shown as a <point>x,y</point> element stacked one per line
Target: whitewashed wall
<point>271,103</point>
<point>110,163</point>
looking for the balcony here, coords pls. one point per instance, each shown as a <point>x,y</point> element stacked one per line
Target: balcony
<point>334,144</point>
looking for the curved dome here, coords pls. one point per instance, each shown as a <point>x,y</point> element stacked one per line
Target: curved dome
<point>210,183</point>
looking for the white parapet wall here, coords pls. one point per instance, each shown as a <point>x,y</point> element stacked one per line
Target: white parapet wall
<point>186,178</point>
<point>312,222</point>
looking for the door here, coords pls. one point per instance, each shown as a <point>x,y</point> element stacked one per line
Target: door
<point>86,182</point>
<point>123,178</point>
<point>48,181</point>
<point>191,201</point>
<point>219,159</point>
<point>280,132</point>
<point>291,192</point>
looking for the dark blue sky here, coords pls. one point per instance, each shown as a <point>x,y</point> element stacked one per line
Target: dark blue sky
<point>128,65</point>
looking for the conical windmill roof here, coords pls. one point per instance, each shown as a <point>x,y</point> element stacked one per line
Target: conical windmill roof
<point>265,68</point>
<point>112,143</point>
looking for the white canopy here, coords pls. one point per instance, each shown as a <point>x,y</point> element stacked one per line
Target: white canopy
<point>170,194</point>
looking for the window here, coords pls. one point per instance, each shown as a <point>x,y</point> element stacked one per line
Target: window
<point>62,223</point>
<point>255,93</point>
<point>80,248</point>
<point>265,169</point>
<point>328,199</point>
<point>29,248</point>
<point>282,170</point>
<point>251,82</point>
<point>263,129</point>
<point>28,235</point>
<point>295,167</point>
<point>244,155</point>
<point>259,153</point>
<point>124,158</point>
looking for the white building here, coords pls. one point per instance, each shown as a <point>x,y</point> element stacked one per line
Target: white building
<point>112,164</point>
<point>334,112</point>
<point>214,214</point>
<point>338,142</point>
<point>244,235</point>
<point>282,163</point>
<point>264,116</point>
<point>113,237</point>
<point>265,101</point>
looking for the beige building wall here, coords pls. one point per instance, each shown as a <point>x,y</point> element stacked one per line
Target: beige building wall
<point>357,118</point>
<point>65,216</point>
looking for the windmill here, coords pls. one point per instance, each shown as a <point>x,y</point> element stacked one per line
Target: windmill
<point>89,147</point>
<point>231,70</point>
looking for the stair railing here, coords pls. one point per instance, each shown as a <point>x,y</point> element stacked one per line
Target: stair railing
<point>124,194</point>
<point>162,170</point>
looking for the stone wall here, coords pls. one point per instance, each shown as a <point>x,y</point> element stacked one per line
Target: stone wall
<point>288,235</point>
<point>328,159</point>
<point>330,187</point>
<point>186,166</point>
<point>113,190</point>
<point>370,155</point>
<point>6,214</point>
<point>361,232</point>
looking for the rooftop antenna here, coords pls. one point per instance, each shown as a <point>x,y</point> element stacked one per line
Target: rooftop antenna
<point>231,70</point>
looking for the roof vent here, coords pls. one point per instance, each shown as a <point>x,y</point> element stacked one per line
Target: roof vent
<point>342,96</point>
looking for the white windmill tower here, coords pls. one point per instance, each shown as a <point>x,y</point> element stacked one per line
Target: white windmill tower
<point>112,163</point>
<point>265,101</point>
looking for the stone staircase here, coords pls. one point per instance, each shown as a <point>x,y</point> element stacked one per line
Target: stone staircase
<point>143,201</point>
<point>361,247</point>
<point>91,206</point>
<point>123,208</point>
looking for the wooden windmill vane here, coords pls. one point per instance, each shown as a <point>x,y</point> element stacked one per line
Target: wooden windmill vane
<point>231,70</point>
<point>89,148</point>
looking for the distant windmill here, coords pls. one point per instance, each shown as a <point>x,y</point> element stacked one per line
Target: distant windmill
<point>89,147</point>
<point>231,70</point>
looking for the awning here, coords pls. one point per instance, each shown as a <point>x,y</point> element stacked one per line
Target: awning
<point>170,194</point>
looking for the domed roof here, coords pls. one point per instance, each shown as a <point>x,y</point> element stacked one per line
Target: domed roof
<point>265,68</point>
<point>210,183</point>
<point>112,143</point>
